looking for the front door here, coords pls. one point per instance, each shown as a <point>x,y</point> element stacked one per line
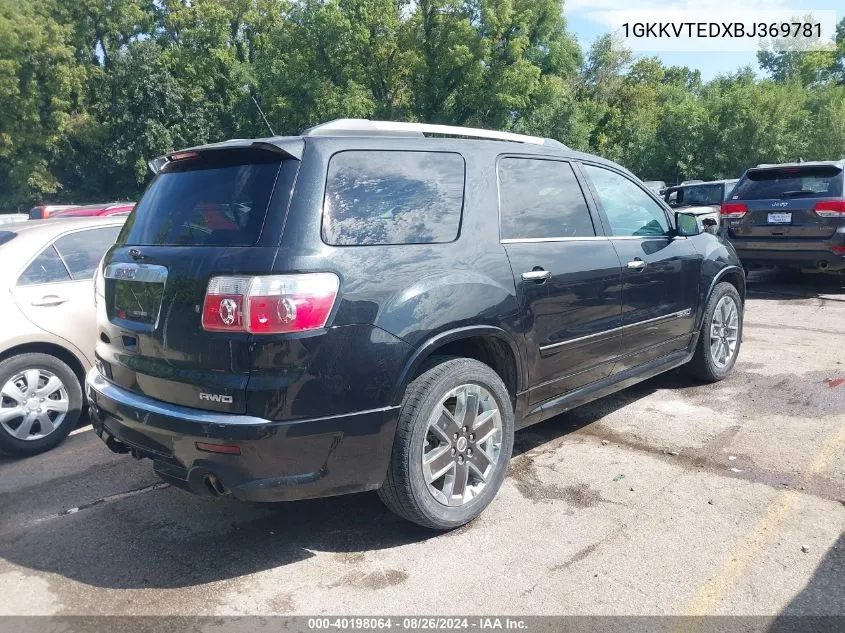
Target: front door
<point>660,270</point>
<point>567,276</point>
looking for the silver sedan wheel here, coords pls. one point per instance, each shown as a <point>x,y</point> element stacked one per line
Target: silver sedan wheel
<point>724,332</point>
<point>34,404</point>
<point>463,443</point>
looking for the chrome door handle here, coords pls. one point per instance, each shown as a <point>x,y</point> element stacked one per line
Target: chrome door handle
<point>49,300</point>
<point>636,264</point>
<point>537,275</point>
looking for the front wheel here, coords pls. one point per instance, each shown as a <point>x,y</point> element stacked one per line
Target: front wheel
<point>721,335</point>
<point>453,443</point>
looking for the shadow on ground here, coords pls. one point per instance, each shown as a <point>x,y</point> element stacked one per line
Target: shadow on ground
<point>166,538</point>
<point>785,285</point>
<point>824,594</point>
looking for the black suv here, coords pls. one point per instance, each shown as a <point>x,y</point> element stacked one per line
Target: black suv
<point>367,307</point>
<point>790,215</point>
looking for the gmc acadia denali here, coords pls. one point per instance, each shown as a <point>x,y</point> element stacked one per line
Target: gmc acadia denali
<point>377,305</point>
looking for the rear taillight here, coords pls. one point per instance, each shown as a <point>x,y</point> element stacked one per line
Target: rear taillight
<point>733,210</point>
<point>830,209</point>
<point>272,304</point>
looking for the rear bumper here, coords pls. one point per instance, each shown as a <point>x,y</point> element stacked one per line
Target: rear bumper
<point>278,461</point>
<point>795,253</point>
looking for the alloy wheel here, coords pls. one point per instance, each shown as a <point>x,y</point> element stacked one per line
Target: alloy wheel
<point>724,331</point>
<point>463,444</point>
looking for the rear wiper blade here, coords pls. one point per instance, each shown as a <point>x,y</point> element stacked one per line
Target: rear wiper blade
<point>797,193</point>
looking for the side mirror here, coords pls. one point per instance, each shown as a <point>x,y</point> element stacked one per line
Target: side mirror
<point>687,224</point>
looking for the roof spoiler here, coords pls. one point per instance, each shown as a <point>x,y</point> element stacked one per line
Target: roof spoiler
<point>290,147</point>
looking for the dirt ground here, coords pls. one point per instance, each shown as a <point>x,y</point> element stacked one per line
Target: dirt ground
<point>667,498</point>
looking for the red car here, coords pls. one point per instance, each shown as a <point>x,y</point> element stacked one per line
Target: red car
<point>112,208</point>
<point>47,210</point>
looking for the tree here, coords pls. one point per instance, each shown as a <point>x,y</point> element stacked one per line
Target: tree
<point>41,88</point>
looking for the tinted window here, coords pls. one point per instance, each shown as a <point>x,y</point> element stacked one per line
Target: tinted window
<point>44,269</point>
<point>700,195</point>
<point>393,198</point>
<point>217,199</point>
<point>629,209</point>
<point>83,250</point>
<point>7,236</point>
<point>541,199</point>
<point>790,182</point>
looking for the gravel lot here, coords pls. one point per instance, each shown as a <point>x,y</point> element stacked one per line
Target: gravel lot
<point>667,498</point>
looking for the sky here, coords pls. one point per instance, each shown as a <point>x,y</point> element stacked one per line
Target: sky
<point>589,19</point>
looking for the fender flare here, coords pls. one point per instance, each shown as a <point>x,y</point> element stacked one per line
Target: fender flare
<point>430,345</point>
<point>717,279</point>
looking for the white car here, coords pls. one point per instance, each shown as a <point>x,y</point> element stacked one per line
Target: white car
<point>48,333</point>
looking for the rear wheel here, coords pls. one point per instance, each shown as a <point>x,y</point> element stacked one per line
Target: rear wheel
<point>40,404</point>
<point>721,335</point>
<point>453,444</point>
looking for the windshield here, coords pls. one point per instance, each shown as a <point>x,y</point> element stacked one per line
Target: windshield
<point>790,182</point>
<point>218,198</point>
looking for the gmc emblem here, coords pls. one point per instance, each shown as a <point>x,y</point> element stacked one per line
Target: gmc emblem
<point>216,397</point>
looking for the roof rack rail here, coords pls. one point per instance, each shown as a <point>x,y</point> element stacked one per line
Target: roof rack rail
<point>365,127</point>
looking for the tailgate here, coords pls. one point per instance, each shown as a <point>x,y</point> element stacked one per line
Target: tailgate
<point>785,202</point>
<point>215,213</point>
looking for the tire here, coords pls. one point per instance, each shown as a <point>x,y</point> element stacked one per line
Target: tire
<point>64,403</point>
<point>406,490</point>
<point>705,364</point>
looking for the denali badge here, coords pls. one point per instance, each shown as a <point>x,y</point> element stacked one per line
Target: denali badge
<point>216,397</point>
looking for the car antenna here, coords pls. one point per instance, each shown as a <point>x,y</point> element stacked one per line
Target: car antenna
<point>263,116</point>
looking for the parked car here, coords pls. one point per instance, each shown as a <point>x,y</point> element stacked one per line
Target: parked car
<point>92,210</point>
<point>790,215</point>
<point>712,193</point>
<point>364,307</point>
<point>47,342</point>
<point>702,199</point>
<point>656,186</point>
<point>44,211</point>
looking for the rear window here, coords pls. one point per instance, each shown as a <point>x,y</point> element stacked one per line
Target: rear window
<point>789,182</point>
<point>386,197</point>
<point>219,198</point>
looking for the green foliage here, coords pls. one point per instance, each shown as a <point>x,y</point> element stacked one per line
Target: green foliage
<point>92,90</point>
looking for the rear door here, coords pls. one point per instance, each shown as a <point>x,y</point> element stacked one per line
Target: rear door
<point>55,291</point>
<point>567,275</point>
<point>778,204</point>
<point>660,271</point>
<point>212,213</point>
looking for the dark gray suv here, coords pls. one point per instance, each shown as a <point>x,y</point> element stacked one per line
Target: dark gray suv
<point>790,215</point>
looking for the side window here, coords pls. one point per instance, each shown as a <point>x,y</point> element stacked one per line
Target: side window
<point>47,268</point>
<point>541,199</point>
<point>629,209</point>
<point>83,250</point>
<point>384,197</point>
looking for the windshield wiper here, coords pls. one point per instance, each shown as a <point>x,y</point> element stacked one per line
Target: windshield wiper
<point>797,193</point>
